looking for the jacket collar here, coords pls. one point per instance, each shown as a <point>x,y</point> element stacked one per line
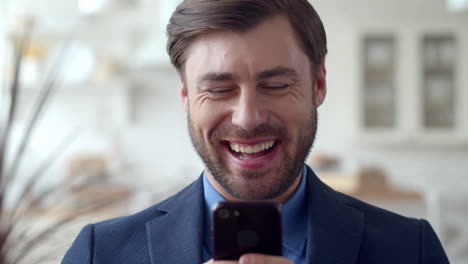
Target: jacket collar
<point>335,228</point>
<point>334,235</point>
<point>176,236</point>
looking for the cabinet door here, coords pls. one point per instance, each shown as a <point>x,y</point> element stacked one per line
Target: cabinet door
<point>439,87</point>
<point>378,87</point>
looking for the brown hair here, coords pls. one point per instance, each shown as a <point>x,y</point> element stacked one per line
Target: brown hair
<point>194,18</point>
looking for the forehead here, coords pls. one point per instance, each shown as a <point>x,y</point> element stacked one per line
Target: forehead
<point>270,44</point>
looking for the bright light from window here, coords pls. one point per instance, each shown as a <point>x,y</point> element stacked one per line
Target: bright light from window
<point>96,6</point>
<point>457,5</point>
<point>91,6</point>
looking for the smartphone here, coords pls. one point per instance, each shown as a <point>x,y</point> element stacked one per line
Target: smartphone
<point>246,227</point>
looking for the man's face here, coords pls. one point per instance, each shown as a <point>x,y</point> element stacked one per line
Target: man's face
<point>251,101</point>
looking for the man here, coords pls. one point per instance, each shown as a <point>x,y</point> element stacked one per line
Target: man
<point>253,75</point>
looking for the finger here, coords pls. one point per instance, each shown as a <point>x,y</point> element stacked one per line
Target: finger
<point>211,261</point>
<point>263,259</point>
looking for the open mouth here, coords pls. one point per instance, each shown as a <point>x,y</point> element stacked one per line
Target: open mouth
<point>251,151</point>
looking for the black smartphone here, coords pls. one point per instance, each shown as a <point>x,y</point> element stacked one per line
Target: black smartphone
<point>246,227</point>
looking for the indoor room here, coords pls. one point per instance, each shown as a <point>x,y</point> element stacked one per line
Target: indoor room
<point>92,125</point>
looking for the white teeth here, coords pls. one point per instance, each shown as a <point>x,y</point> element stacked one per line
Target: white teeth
<point>235,147</point>
<point>252,148</point>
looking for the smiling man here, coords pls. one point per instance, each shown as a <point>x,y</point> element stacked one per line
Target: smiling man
<point>253,75</point>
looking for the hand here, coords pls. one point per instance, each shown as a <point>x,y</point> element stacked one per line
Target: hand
<point>254,259</point>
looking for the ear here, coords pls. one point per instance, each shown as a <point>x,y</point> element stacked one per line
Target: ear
<point>184,97</point>
<point>320,88</point>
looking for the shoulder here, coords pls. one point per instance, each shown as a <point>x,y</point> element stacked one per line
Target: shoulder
<point>378,216</point>
<point>389,234</point>
<point>325,197</point>
<point>138,220</point>
<point>118,238</point>
<point>132,224</point>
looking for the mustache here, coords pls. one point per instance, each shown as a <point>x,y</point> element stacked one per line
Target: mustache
<point>263,130</point>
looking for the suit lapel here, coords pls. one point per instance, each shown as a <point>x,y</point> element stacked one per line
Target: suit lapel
<point>177,235</point>
<point>335,228</point>
<point>334,235</point>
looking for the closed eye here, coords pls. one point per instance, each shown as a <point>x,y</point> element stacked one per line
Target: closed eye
<point>221,90</point>
<point>276,86</point>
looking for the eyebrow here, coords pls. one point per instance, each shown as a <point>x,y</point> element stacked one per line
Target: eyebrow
<point>227,76</point>
<point>278,71</point>
<point>216,77</point>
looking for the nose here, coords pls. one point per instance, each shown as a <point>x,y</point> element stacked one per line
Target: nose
<point>248,112</point>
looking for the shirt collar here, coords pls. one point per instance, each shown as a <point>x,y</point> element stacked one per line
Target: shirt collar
<point>294,218</point>
<point>211,195</point>
<point>294,215</point>
<point>211,198</point>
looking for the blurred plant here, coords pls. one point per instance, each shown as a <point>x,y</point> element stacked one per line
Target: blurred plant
<point>18,236</point>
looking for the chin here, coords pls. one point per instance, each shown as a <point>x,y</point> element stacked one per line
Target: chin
<point>255,186</point>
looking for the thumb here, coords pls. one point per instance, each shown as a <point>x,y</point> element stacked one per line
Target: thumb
<point>211,261</point>
<point>263,259</point>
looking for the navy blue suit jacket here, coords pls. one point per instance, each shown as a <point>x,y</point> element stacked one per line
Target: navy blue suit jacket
<point>344,231</point>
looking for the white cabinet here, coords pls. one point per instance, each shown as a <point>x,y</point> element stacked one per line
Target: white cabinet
<point>413,84</point>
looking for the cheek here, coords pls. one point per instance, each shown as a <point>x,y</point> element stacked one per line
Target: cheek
<point>293,111</point>
<point>207,117</point>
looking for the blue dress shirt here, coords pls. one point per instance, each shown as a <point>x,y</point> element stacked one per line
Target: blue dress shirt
<point>294,221</point>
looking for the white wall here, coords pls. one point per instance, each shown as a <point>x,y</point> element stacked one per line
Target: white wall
<point>338,127</point>
<point>156,141</point>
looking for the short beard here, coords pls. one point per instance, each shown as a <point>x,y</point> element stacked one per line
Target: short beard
<point>288,173</point>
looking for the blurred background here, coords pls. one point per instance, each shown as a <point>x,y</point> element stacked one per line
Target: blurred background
<point>96,129</point>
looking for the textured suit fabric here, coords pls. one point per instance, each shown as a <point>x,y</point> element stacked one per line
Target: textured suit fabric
<point>344,230</point>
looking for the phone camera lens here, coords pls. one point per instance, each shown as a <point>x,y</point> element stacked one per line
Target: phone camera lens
<point>223,213</point>
<point>236,213</point>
